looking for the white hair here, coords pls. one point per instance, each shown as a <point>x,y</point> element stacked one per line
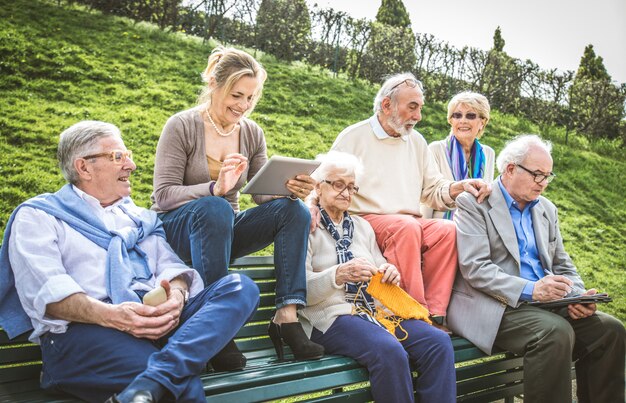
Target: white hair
<point>516,150</point>
<point>79,140</point>
<point>390,87</point>
<point>337,163</point>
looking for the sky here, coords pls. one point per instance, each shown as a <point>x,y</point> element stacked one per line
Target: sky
<point>551,33</point>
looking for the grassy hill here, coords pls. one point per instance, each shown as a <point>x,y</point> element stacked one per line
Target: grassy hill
<point>61,65</point>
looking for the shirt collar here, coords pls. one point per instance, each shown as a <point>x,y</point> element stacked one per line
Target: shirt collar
<point>95,203</point>
<point>509,200</point>
<point>380,133</point>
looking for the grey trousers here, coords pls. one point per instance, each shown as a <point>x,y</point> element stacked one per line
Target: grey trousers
<point>549,341</point>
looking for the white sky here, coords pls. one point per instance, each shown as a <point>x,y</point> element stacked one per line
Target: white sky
<point>551,33</point>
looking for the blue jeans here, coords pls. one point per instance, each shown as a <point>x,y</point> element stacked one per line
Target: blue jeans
<point>94,362</point>
<point>208,234</point>
<point>389,361</point>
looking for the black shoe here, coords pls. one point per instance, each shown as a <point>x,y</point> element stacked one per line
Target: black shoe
<point>229,359</point>
<point>141,396</point>
<point>293,335</point>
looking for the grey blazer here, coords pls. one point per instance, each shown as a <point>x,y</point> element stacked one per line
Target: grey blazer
<point>489,263</point>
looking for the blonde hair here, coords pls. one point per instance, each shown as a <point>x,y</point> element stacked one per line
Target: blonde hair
<point>226,66</point>
<point>474,100</point>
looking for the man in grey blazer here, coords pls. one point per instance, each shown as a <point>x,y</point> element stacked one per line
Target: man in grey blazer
<point>511,251</point>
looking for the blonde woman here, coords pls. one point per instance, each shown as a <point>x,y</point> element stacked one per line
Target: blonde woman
<point>204,156</point>
<point>461,155</point>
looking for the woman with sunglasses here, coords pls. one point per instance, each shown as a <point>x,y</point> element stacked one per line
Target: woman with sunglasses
<point>204,156</point>
<point>460,155</point>
<point>341,314</point>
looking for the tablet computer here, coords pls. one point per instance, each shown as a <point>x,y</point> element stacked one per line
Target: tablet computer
<point>576,299</point>
<point>271,178</point>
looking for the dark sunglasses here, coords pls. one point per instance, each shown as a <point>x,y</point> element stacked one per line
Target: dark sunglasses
<point>468,115</point>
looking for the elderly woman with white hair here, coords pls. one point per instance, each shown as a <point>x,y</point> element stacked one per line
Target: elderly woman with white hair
<point>460,155</point>
<point>342,316</point>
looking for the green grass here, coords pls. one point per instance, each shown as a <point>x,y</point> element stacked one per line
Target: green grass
<point>61,65</point>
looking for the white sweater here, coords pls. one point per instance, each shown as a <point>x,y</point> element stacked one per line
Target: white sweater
<point>398,172</point>
<point>440,155</point>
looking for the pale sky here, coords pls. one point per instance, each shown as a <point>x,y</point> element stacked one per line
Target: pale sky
<point>551,33</point>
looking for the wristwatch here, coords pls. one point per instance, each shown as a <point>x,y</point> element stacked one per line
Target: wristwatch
<point>184,292</point>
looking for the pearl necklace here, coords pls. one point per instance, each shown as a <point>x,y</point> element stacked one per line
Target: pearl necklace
<point>221,133</point>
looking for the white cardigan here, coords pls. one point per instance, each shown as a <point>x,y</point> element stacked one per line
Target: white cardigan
<point>438,149</point>
<point>325,299</point>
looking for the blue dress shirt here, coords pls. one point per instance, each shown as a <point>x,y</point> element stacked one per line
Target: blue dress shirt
<point>531,268</point>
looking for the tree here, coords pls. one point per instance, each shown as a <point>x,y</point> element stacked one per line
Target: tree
<point>390,50</point>
<point>502,77</point>
<point>596,106</point>
<point>284,28</point>
<point>591,66</point>
<point>393,13</point>
<point>498,41</point>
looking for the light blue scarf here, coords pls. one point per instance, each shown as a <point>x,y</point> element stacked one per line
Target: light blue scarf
<point>461,169</point>
<point>125,261</point>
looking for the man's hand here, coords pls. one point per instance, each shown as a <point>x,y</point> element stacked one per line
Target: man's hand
<point>149,322</point>
<point>316,216</point>
<point>142,321</point>
<point>477,187</point>
<point>579,311</point>
<point>552,287</point>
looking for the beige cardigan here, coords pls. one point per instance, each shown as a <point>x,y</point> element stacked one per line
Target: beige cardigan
<point>181,170</point>
<point>325,299</point>
<point>438,149</point>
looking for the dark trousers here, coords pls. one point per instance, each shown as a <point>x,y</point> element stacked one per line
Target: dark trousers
<point>389,361</point>
<point>550,340</point>
<point>94,362</point>
<point>208,234</point>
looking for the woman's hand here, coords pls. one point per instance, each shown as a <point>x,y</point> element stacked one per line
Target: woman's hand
<point>391,274</point>
<point>232,168</point>
<point>356,270</point>
<point>301,186</point>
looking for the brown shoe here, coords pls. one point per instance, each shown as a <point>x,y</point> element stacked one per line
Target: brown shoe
<point>438,322</point>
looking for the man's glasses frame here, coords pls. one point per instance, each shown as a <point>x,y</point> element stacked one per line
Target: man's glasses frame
<point>468,115</point>
<point>539,177</point>
<point>339,186</point>
<point>118,157</point>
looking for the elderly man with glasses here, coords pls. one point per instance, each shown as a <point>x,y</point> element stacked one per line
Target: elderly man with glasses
<point>510,254</point>
<point>399,173</point>
<point>75,267</point>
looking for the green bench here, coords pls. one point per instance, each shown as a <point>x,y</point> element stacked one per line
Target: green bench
<point>333,378</point>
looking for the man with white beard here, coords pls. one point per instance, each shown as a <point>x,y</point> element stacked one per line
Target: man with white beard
<point>399,173</point>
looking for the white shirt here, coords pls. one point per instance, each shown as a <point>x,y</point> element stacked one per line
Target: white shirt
<point>52,261</point>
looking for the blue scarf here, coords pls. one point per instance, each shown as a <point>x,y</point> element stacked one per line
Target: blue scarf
<point>125,261</point>
<point>356,293</point>
<point>461,169</point>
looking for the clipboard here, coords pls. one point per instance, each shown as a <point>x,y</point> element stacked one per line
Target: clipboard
<point>271,178</point>
<point>577,299</point>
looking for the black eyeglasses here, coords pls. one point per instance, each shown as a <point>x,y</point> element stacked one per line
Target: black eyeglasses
<point>539,177</point>
<point>468,115</point>
<point>340,186</point>
<point>410,82</point>
<point>118,157</point>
